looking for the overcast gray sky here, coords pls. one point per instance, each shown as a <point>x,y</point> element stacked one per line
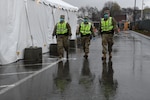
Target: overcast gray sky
<point>100,3</point>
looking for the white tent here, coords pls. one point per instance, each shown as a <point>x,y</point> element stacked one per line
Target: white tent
<point>25,23</point>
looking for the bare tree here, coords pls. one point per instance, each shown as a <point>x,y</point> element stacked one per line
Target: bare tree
<point>92,12</point>
<point>114,7</point>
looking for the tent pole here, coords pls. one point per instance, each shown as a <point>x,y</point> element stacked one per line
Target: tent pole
<point>28,23</point>
<point>53,15</point>
<point>68,16</point>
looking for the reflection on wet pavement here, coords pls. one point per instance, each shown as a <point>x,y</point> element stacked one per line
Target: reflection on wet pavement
<point>86,77</point>
<point>107,82</point>
<point>63,78</point>
<point>124,77</point>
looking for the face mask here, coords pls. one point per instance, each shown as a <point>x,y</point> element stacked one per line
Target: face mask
<point>61,20</point>
<point>85,20</point>
<point>106,16</point>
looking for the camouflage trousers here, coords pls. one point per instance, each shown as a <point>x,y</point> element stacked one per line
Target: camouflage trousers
<point>107,43</point>
<point>85,43</point>
<point>62,43</point>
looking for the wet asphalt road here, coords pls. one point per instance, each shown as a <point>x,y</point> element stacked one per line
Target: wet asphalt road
<point>124,77</point>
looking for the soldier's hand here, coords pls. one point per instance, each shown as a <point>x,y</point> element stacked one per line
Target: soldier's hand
<point>93,38</point>
<point>78,36</point>
<point>116,31</point>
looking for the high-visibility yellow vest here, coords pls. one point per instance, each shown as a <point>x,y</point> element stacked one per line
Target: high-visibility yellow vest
<point>85,29</point>
<point>106,25</point>
<point>61,28</point>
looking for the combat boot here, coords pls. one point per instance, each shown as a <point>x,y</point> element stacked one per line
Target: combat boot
<point>110,55</point>
<point>67,55</point>
<point>60,56</point>
<point>86,55</point>
<point>104,57</point>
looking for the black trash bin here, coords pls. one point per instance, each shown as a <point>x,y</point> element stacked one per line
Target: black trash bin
<point>72,43</point>
<point>53,49</point>
<point>33,55</point>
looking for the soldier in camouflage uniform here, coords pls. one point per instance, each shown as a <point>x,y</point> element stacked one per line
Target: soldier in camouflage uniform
<point>62,31</point>
<point>108,26</point>
<point>86,30</point>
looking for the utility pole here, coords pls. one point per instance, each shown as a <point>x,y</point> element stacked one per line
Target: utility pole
<point>134,13</point>
<point>142,10</point>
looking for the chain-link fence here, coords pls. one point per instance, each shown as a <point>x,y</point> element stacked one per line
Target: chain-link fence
<point>141,25</point>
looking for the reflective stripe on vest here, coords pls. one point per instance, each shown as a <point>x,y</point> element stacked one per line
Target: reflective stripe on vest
<point>106,25</point>
<point>85,29</point>
<point>61,28</point>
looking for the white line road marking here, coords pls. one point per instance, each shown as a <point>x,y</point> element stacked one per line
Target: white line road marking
<point>17,73</point>
<point>27,65</point>
<point>8,87</point>
<point>28,77</point>
<point>4,86</point>
<point>30,72</point>
<point>35,64</point>
<point>70,59</point>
